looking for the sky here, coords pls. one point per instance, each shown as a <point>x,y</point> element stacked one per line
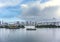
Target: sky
<point>21,10</point>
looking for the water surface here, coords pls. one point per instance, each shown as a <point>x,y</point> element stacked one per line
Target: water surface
<point>22,35</point>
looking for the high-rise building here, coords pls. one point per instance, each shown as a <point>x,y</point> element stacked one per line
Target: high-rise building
<point>18,22</point>
<point>0,22</point>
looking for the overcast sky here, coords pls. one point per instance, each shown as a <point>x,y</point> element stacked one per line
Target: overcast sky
<point>12,10</point>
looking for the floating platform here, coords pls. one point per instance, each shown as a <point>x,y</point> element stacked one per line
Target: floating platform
<point>30,29</point>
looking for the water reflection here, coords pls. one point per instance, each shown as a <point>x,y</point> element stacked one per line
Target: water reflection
<point>22,35</point>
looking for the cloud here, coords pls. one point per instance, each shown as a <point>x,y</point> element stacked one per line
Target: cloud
<point>4,3</point>
<point>14,19</point>
<point>32,9</point>
<point>51,3</point>
<point>49,9</point>
<point>24,6</point>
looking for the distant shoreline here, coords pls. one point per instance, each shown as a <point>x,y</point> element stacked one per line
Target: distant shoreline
<point>47,26</point>
<point>22,26</point>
